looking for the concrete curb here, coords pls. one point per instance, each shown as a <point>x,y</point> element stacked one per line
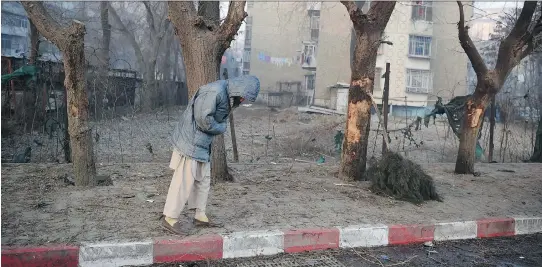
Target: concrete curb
<point>256,243</point>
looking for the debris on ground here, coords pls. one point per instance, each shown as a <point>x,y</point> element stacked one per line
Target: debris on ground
<point>402,179</point>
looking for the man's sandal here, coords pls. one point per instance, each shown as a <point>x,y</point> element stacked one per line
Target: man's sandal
<point>209,224</point>
<point>175,228</point>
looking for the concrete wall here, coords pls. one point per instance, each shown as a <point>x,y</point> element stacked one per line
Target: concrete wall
<point>278,30</point>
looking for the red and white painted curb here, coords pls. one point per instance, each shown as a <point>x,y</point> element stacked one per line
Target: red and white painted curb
<point>249,244</point>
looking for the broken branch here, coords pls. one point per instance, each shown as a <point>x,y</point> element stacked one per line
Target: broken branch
<point>477,61</point>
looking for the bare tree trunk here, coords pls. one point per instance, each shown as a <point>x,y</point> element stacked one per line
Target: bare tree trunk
<point>203,40</point>
<point>468,136</point>
<point>70,41</point>
<point>103,73</point>
<point>492,116</point>
<point>368,29</point>
<point>537,152</point>
<point>34,44</point>
<point>517,45</point>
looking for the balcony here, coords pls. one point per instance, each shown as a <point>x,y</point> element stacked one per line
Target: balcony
<point>314,6</point>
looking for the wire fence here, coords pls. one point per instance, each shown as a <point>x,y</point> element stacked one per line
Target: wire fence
<point>35,118</point>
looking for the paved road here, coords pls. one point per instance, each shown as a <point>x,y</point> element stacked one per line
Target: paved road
<point>518,251</point>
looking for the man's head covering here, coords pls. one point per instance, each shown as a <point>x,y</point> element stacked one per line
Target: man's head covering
<point>247,86</point>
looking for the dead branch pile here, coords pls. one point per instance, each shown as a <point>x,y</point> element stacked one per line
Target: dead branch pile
<point>402,179</point>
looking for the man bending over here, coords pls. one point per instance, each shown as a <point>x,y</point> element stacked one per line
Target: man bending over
<point>205,117</point>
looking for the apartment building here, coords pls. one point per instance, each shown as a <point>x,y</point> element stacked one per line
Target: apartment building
<point>310,42</point>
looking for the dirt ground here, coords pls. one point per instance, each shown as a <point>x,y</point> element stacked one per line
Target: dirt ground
<point>39,207</point>
<point>279,184</point>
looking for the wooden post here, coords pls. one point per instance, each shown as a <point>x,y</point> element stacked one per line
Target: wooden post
<point>493,114</point>
<point>385,106</point>
<point>232,127</point>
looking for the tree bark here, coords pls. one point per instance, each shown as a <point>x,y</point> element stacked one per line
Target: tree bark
<point>368,29</point>
<point>103,72</point>
<point>204,40</point>
<point>537,153</point>
<point>34,44</point>
<point>70,40</point>
<point>492,116</point>
<point>517,45</point>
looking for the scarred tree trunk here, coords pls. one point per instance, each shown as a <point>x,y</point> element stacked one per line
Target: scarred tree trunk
<point>474,115</point>
<point>358,124</point>
<point>368,30</point>
<point>204,40</point>
<point>70,41</point>
<point>519,43</point>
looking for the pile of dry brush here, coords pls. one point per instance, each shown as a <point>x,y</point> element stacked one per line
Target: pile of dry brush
<point>401,178</point>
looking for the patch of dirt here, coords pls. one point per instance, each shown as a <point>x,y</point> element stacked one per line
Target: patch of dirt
<point>39,207</point>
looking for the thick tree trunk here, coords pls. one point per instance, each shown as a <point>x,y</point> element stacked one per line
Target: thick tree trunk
<point>202,68</point>
<point>78,125</point>
<point>537,153</point>
<point>472,120</point>
<point>354,151</point>
<point>70,40</point>
<point>34,44</point>
<point>203,40</point>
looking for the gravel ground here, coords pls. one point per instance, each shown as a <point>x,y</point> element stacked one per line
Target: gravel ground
<point>518,251</point>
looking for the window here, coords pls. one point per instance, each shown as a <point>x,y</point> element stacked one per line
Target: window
<point>419,46</point>
<point>246,72</point>
<point>246,56</point>
<point>9,19</point>
<point>422,10</point>
<point>246,65</point>
<point>248,42</point>
<point>248,32</point>
<point>378,77</point>
<point>309,50</point>
<point>250,4</point>
<point>315,22</point>
<point>6,41</point>
<point>309,79</point>
<point>418,81</point>
<point>249,20</point>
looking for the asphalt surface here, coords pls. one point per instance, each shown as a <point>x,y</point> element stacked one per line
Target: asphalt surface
<point>517,251</point>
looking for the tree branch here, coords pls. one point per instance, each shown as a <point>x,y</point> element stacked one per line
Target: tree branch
<point>519,42</point>
<point>476,60</point>
<point>181,12</point>
<point>150,18</point>
<point>356,14</point>
<point>46,25</point>
<point>232,23</point>
<point>130,36</point>
<point>381,9</point>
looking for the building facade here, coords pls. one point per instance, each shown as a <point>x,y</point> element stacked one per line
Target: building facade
<point>310,43</point>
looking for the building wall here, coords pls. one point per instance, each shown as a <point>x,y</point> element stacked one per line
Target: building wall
<point>278,30</point>
<point>447,63</point>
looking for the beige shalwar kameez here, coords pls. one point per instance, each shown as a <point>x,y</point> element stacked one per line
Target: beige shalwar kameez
<point>191,182</point>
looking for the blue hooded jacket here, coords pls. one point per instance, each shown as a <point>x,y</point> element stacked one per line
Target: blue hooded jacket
<point>207,113</point>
